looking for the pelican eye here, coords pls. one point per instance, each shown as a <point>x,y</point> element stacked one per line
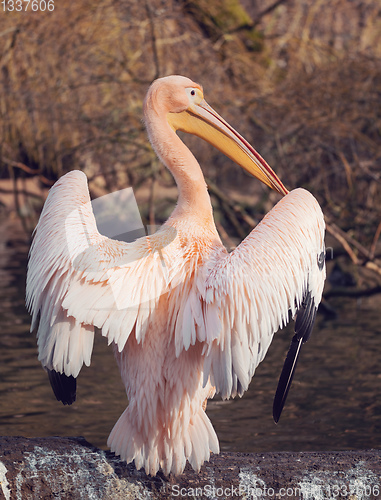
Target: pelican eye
<point>194,95</point>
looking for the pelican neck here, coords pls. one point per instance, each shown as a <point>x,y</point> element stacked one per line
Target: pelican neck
<point>176,156</point>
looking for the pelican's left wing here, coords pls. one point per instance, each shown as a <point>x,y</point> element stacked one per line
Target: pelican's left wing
<point>277,270</point>
<point>79,279</point>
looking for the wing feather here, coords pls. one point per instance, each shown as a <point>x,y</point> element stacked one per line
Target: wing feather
<point>304,322</point>
<point>250,292</point>
<point>64,387</point>
<point>78,279</point>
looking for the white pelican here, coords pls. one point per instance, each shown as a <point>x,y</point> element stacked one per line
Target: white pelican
<point>187,318</point>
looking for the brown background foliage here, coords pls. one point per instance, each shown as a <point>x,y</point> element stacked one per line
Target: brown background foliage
<point>301,79</point>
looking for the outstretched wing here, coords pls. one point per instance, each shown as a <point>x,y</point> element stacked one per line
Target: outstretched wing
<point>250,292</point>
<point>78,279</point>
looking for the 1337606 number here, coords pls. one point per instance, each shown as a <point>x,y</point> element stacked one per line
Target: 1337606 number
<point>27,5</point>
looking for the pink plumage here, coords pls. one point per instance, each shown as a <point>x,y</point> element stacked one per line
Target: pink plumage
<point>187,319</point>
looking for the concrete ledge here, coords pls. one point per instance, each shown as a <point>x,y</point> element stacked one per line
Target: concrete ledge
<point>71,468</point>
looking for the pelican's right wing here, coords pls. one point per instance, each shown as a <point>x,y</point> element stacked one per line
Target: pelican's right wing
<point>277,270</point>
<point>78,279</point>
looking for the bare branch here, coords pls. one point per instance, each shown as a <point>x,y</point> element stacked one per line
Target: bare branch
<point>375,240</point>
<point>352,292</point>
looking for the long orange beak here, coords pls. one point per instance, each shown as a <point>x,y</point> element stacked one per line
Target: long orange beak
<point>200,119</point>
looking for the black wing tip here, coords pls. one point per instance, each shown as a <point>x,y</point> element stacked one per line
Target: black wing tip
<point>304,323</point>
<point>286,377</point>
<point>305,317</point>
<point>64,386</point>
<point>276,413</point>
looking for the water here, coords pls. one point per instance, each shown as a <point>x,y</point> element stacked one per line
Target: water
<point>334,402</point>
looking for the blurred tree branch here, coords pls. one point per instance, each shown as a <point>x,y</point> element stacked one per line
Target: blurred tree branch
<point>153,41</point>
<point>354,293</point>
<point>268,10</point>
<point>303,86</point>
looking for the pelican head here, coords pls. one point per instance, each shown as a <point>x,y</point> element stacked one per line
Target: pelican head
<point>183,103</point>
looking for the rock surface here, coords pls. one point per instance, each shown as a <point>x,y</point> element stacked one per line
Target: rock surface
<point>71,468</point>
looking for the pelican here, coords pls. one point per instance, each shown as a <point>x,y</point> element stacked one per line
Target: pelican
<point>187,318</point>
